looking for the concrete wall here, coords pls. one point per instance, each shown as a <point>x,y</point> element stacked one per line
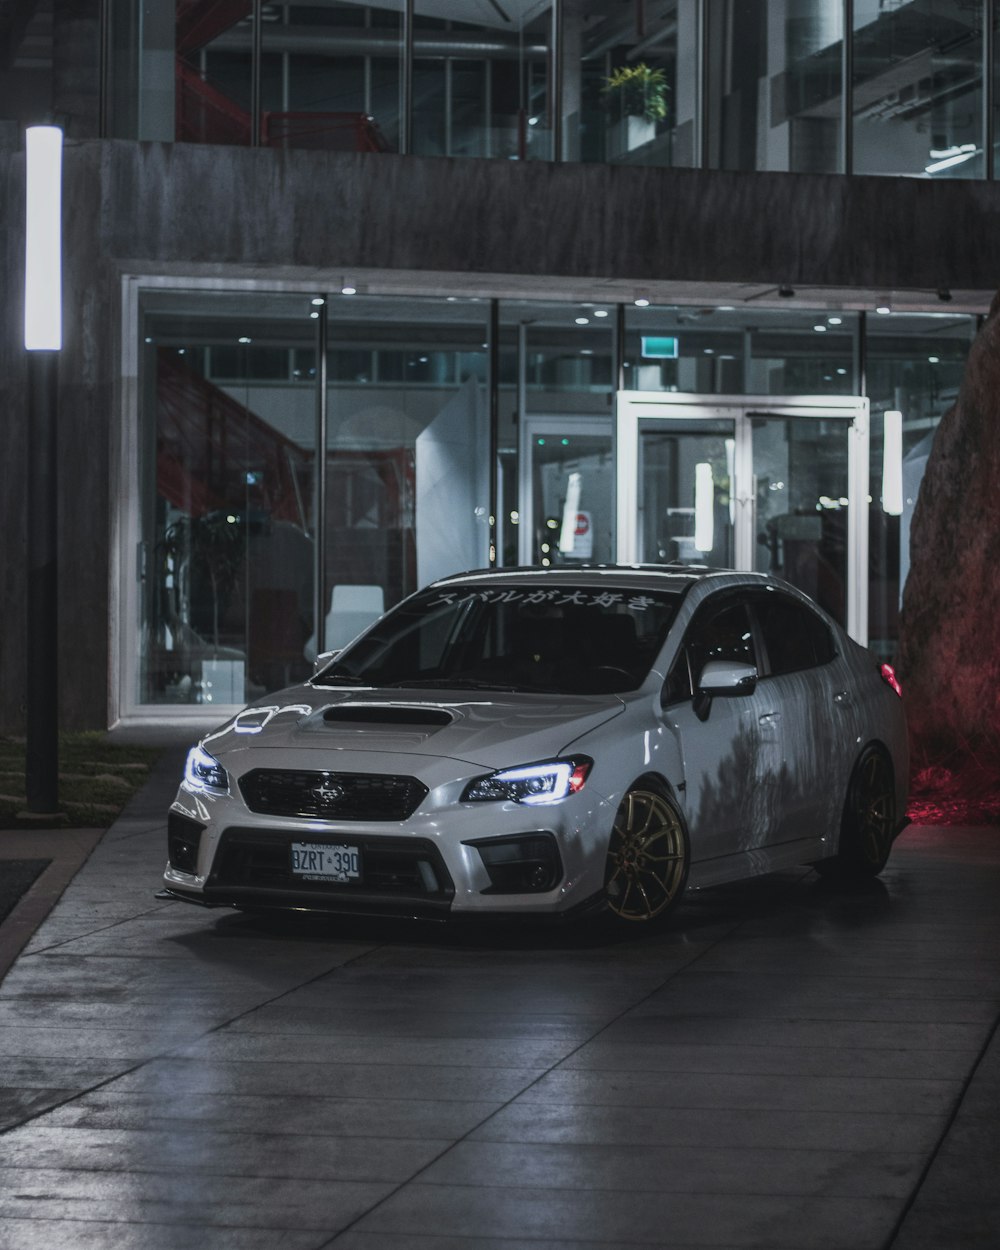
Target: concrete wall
<point>163,208</point>
<point>235,206</point>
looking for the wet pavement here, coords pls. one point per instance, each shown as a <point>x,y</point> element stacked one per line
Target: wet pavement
<point>791,1065</point>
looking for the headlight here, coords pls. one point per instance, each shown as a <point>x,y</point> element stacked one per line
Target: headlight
<point>533,783</point>
<point>204,772</point>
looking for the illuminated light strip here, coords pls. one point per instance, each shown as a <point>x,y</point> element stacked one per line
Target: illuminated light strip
<point>704,507</point>
<point>43,239</point>
<point>936,167</point>
<point>892,464</point>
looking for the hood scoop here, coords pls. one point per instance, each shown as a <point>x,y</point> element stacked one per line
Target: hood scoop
<point>381,716</point>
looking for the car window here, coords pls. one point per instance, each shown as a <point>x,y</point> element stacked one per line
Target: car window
<point>794,636</point>
<point>720,630</point>
<point>562,639</point>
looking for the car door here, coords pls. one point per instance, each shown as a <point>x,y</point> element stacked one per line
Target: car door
<point>719,739</point>
<point>797,679</point>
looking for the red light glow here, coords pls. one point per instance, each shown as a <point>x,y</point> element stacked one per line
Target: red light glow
<point>890,678</point>
<point>578,777</point>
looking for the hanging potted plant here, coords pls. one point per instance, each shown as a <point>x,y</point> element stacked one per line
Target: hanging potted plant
<point>636,98</point>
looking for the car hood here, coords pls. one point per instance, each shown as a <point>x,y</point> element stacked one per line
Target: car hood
<point>488,729</point>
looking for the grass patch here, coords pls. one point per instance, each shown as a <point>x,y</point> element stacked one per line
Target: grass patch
<point>96,779</point>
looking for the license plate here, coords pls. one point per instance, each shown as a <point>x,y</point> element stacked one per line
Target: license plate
<point>316,861</point>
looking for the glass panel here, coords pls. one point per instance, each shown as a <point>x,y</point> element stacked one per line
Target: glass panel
<point>629,82</point>
<point>686,510</point>
<point>333,79</point>
<point>228,442</point>
<point>480,88</point>
<point>801,482</point>
<point>572,476</point>
<point>740,351</point>
<point>407,466</point>
<point>915,366</point>
<point>555,359</point>
<point>774,85</point>
<point>209,49</point>
<point>918,88</point>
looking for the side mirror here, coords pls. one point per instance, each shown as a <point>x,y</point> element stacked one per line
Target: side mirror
<point>323,659</point>
<point>726,678</point>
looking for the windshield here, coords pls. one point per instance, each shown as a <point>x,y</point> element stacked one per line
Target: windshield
<point>561,640</point>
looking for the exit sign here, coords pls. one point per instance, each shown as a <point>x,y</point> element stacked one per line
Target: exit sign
<point>659,348</point>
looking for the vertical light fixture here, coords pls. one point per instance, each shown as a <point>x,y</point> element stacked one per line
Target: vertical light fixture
<point>892,463</point>
<point>704,507</point>
<point>43,239</point>
<point>571,507</point>
<point>43,341</point>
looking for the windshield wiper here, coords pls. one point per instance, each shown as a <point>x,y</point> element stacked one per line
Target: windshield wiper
<point>339,679</point>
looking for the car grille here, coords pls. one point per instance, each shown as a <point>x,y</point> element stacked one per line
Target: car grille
<point>331,796</point>
<point>255,865</point>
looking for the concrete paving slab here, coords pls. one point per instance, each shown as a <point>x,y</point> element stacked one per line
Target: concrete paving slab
<point>789,1066</point>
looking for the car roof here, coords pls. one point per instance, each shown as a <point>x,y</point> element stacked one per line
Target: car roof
<point>673,578</point>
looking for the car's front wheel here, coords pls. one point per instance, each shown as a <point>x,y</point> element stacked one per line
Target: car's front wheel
<point>868,821</point>
<point>648,857</point>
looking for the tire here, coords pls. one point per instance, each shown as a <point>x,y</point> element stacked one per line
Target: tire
<point>868,821</point>
<point>648,858</point>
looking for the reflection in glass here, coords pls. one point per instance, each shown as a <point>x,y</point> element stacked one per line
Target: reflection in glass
<point>686,508</point>
<point>481,87</point>
<point>739,351</point>
<point>572,477</point>
<point>915,366</point>
<point>407,481</point>
<point>918,89</point>
<point>774,85</point>
<point>226,597</point>
<point>801,475</point>
<point>331,76</point>
<point>629,82</point>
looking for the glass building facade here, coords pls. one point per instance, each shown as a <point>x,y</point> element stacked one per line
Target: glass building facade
<point>837,86</point>
<point>299,455</point>
<point>306,460</point>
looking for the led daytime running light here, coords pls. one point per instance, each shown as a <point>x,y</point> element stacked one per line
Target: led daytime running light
<point>548,782</point>
<point>204,773</point>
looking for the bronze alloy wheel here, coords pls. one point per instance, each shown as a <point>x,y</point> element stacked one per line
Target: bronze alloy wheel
<point>647,857</point>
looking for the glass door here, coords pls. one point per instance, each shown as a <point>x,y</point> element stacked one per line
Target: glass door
<point>801,483</point>
<point>566,513</point>
<point>684,503</point>
<point>776,485</point>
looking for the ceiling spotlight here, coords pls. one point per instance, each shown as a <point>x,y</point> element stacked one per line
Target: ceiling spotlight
<point>348,290</point>
<point>317,301</point>
<point>883,309</point>
<point>642,302</point>
<point>786,292</point>
<point>600,312</point>
<point>944,295</point>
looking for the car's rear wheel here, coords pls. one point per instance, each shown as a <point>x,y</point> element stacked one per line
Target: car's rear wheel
<point>648,858</point>
<point>868,821</point>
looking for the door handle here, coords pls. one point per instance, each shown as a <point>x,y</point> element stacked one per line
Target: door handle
<point>770,718</point>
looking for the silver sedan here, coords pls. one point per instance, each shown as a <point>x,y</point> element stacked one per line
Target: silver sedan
<point>552,742</point>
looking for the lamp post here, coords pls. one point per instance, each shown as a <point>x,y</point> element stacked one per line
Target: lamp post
<point>42,341</point>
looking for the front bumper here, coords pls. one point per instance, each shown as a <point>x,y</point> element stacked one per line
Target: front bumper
<point>479,858</point>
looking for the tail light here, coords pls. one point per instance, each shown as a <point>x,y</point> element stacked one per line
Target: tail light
<point>888,675</point>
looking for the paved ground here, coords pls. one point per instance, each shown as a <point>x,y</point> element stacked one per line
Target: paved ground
<point>792,1066</point>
